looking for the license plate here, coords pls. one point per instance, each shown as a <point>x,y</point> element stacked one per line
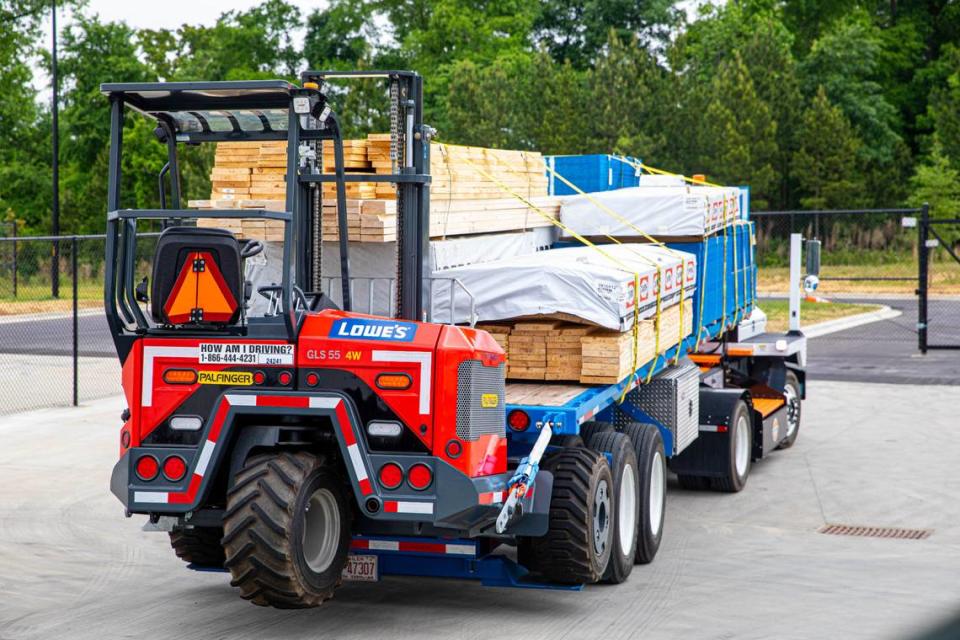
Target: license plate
<point>361,569</point>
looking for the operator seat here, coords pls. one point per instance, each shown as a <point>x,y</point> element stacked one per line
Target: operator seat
<point>197,278</point>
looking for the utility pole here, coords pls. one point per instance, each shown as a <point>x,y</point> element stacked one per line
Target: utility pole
<point>55,262</point>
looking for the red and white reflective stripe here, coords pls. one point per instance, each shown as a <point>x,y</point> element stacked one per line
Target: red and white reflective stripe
<point>492,497</point>
<point>400,506</point>
<point>444,548</point>
<point>424,359</point>
<point>590,414</point>
<point>149,353</point>
<point>247,400</point>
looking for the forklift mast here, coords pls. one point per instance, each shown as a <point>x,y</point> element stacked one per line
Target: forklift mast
<point>241,111</point>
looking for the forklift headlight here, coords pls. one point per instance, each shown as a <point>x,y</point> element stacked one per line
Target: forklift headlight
<point>380,429</point>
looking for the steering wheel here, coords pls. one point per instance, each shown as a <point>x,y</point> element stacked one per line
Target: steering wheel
<point>251,248</point>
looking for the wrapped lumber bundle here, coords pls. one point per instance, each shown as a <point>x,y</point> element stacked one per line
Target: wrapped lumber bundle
<point>593,285</point>
<point>664,212</point>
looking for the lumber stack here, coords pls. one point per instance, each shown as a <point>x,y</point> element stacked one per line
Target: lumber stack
<point>556,350</point>
<point>473,191</point>
<point>376,220</point>
<point>607,356</point>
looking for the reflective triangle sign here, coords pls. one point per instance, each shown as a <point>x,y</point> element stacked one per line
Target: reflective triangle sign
<point>200,293</point>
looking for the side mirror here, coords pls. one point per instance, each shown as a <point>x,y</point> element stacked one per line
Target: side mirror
<point>140,292</point>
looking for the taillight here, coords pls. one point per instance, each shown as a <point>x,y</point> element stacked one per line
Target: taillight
<point>284,378</point>
<point>419,477</point>
<point>180,376</point>
<point>174,468</point>
<point>312,379</point>
<point>259,377</point>
<point>147,468</point>
<point>518,420</point>
<point>391,475</point>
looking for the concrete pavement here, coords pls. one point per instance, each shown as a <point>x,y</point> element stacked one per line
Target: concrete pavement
<point>750,565</point>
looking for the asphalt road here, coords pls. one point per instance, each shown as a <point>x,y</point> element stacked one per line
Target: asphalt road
<point>54,336</point>
<point>887,351</point>
<point>749,565</point>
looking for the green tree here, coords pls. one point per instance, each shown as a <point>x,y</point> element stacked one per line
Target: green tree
<point>845,62</point>
<point>937,183</point>
<point>739,135</point>
<point>827,166</point>
<point>578,30</point>
<point>944,107</point>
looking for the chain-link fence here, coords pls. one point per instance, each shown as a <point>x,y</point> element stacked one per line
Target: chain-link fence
<point>55,347</point>
<point>869,265</point>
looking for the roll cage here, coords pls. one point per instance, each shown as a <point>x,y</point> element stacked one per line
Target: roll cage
<point>237,111</point>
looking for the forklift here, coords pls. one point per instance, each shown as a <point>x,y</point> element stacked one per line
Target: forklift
<point>309,443</point>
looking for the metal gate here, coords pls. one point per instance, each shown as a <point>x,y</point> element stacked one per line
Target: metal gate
<point>938,324</point>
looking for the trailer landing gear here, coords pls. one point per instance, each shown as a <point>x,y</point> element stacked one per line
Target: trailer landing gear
<point>287,530</point>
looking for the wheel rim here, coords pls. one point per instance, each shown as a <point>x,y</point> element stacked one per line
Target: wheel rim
<point>601,517</point>
<point>321,530</point>
<point>793,409</point>
<point>658,486</point>
<point>742,443</point>
<point>627,510</point>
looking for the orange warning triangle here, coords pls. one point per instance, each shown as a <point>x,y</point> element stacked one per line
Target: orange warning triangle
<point>200,293</point>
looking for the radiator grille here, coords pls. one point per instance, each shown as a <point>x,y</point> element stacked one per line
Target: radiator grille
<point>474,419</point>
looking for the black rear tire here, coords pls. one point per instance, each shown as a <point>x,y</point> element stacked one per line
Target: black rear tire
<point>792,392</point>
<point>569,553</point>
<point>278,552</point>
<point>199,545</point>
<point>589,429</point>
<point>626,502</point>
<point>739,450</point>
<point>693,483</point>
<point>652,479</point>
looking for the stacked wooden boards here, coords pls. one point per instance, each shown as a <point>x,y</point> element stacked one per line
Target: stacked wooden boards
<point>474,190</point>
<point>556,350</point>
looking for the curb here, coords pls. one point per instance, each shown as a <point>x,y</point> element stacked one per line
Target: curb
<point>849,322</point>
<point>50,315</point>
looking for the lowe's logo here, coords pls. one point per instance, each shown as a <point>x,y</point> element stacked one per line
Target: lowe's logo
<point>365,329</point>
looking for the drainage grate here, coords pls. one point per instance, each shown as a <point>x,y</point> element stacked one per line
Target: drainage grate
<point>875,532</point>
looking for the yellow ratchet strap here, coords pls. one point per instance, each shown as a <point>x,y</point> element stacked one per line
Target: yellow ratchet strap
<point>586,242</point>
<point>683,266</point>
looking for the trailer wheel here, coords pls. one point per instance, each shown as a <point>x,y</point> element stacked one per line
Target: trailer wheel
<point>589,429</point>
<point>739,450</point>
<point>577,546</point>
<point>198,545</point>
<point>565,441</point>
<point>791,390</point>
<point>652,465</point>
<point>626,502</point>
<point>286,530</point>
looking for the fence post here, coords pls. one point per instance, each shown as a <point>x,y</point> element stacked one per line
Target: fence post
<point>922,277</point>
<point>76,368</point>
<point>14,258</point>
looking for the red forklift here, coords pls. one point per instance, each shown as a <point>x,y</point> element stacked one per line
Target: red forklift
<point>306,442</point>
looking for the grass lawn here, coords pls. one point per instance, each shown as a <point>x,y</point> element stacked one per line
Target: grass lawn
<point>944,278</point>
<point>778,312</point>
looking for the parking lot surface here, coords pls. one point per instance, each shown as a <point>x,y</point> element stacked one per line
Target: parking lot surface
<point>750,565</point>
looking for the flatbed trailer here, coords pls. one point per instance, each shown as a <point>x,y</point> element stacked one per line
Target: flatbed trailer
<point>315,443</point>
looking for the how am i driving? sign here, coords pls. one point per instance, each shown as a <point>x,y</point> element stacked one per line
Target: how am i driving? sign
<point>245,353</point>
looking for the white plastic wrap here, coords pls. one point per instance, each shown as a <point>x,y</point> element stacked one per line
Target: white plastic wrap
<point>659,211</point>
<point>578,281</point>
